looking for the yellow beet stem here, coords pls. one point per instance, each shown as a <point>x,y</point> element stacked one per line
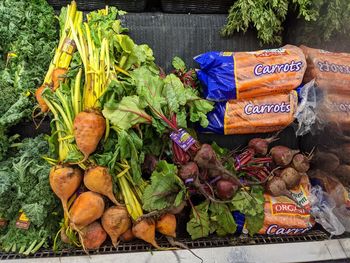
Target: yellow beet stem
<point>63,116</point>
<point>62,59</point>
<point>132,204</point>
<point>76,94</point>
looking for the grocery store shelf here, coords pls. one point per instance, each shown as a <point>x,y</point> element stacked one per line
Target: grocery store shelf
<point>286,252</point>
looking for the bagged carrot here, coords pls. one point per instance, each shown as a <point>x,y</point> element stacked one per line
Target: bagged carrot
<point>330,70</point>
<point>284,217</point>
<point>259,115</point>
<point>334,109</point>
<point>241,75</point>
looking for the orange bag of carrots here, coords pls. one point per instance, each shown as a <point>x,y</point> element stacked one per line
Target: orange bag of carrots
<point>330,70</point>
<point>334,109</point>
<point>258,115</point>
<point>242,75</point>
<point>284,217</point>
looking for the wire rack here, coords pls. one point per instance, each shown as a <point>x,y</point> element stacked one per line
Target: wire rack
<point>213,241</point>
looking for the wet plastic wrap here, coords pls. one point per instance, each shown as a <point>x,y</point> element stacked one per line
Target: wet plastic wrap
<point>241,75</point>
<point>330,70</point>
<point>331,73</point>
<point>307,107</point>
<point>330,202</point>
<point>322,209</point>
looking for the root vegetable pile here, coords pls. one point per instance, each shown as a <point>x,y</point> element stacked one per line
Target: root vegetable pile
<point>124,162</point>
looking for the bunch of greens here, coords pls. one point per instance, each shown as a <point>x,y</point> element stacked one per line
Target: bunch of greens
<point>19,110</point>
<point>267,17</point>
<point>209,217</point>
<point>24,181</point>
<point>28,37</point>
<point>333,19</point>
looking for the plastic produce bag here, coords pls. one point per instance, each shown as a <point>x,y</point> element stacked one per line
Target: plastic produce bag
<point>322,206</point>
<point>331,185</point>
<point>307,107</point>
<point>330,70</point>
<point>334,111</point>
<point>241,75</point>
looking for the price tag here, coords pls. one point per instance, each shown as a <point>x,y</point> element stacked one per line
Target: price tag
<point>23,221</point>
<point>68,46</point>
<point>183,139</point>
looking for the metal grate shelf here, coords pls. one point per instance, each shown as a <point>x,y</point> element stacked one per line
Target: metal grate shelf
<point>213,241</point>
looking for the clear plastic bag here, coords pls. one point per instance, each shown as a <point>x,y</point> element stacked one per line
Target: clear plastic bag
<point>306,112</point>
<point>322,209</point>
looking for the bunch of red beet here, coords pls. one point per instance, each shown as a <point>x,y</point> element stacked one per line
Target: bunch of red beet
<point>286,168</point>
<point>279,169</point>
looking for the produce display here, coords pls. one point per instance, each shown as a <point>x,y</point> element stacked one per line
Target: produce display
<point>123,160</point>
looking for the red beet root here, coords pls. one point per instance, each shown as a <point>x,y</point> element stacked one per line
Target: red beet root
<point>206,159</point>
<point>291,177</point>
<point>300,163</point>
<point>226,189</point>
<point>189,170</point>
<point>276,186</point>
<point>261,145</point>
<point>282,155</point>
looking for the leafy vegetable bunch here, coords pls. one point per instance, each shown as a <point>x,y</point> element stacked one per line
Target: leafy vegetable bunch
<point>28,36</point>
<point>110,105</point>
<point>27,39</point>
<point>267,16</point>
<point>210,217</point>
<point>24,185</point>
<point>333,18</point>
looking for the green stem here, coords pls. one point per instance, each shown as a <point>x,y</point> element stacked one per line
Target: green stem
<point>13,249</point>
<point>65,105</point>
<point>122,60</point>
<point>21,250</point>
<point>30,248</point>
<point>67,123</point>
<point>38,246</point>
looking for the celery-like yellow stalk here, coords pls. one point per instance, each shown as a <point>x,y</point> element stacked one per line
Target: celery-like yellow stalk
<point>60,58</point>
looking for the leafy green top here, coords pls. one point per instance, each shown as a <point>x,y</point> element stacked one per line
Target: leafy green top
<point>208,217</point>
<point>267,16</point>
<point>166,189</point>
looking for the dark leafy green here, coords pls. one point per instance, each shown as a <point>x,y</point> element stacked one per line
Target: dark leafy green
<point>210,217</point>
<point>24,185</point>
<point>28,35</point>
<point>221,219</point>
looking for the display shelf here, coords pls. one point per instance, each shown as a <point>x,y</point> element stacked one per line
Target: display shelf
<point>315,251</point>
